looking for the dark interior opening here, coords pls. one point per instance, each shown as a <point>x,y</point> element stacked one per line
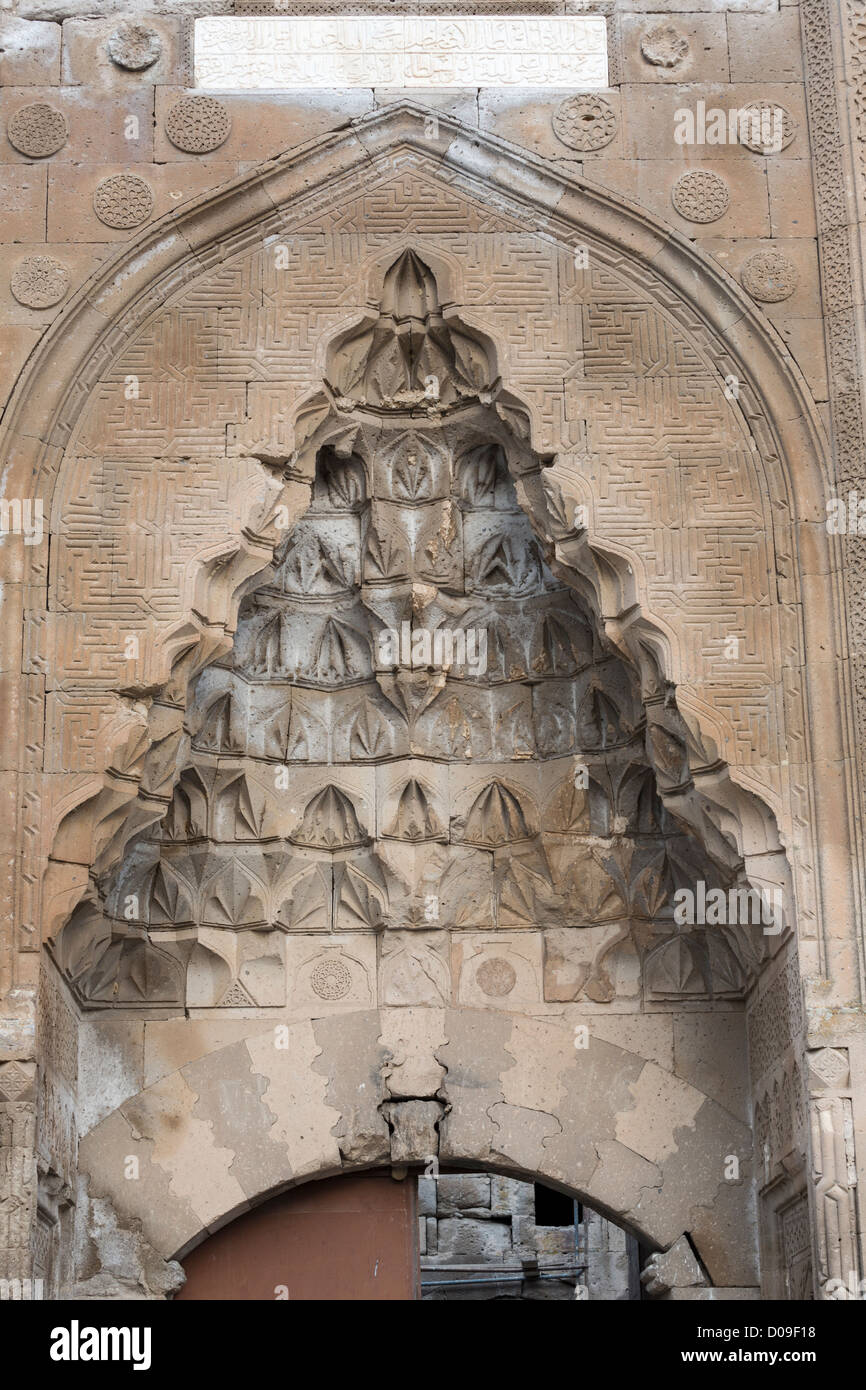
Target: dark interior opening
<point>553,1208</point>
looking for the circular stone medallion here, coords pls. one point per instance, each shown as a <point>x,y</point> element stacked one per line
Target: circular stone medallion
<point>765,127</point>
<point>496,977</point>
<point>123,200</point>
<point>198,124</point>
<point>585,122</point>
<point>664,46</point>
<point>331,979</point>
<point>39,281</point>
<point>769,276</point>
<point>38,130</point>
<point>700,195</point>
<point>134,47</point>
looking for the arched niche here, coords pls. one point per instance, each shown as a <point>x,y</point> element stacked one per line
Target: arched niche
<point>662,298</point>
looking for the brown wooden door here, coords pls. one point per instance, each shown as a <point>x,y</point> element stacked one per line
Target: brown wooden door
<point>342,1238</point>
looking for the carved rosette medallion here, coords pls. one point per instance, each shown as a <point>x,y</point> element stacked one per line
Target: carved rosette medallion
<point>331,979</point>
<point>664,46</point>
<point>769,276</point>
<point>585,122</point>
<point>134,47</point>
<point>123,200</point>
<point>699,195</point>
<point>496,977</point>
<point>198,125</point>
<point>765,127</point>
<point>38,130</point>
<point>39,281</point>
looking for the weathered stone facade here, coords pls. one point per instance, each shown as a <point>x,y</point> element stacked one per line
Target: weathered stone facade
<point>435,583</point>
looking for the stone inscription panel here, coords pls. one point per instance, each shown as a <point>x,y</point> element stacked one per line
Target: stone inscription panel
<point>401,51</point>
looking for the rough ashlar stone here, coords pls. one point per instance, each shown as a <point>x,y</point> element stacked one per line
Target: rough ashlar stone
<point>792,210</point>
<point>675,1268</point>
<point>427,1200</point>
<point>459,1192</point>
<point>508,1196</point>
<point>88,59</point>
<point>29,52</point>
<point>709,1052</point>
<point>16,344</point>
<point>23,193</point>
<point>681,48</point>
<point>663,1105</point>
<point>543,1241</point>
<point>110,1067</point>
<point>467,1241</point>
<point>608,1278</point>
<point>765,48</point>
<point>121,1264</point>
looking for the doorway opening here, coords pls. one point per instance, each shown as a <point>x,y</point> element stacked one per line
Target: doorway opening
<point>400,1235</point>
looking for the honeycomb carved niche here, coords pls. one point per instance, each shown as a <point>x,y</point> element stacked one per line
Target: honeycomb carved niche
<point>422,773</point>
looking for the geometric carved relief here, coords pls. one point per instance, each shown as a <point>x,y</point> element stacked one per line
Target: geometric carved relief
<point>330,979</point>
<point>597,383</point>
<point>333,975</point>
<point>17,1081</point>
<point>828,1067</point>
<point>37,130</point>
<point>585,122</point>
<point>123,200</point>
<point>39,281</point>
<point>796,1246</point>
<point>765,127</point>
<point>198,124</point>
<point>775,1020</point>
<point>496,976</point>
<point>700,195</point>
<point>595,403</point>
<point>769,276</point>
<point>410,625</point>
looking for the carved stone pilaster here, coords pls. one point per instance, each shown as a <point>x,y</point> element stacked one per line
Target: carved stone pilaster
<point>834,1178</point>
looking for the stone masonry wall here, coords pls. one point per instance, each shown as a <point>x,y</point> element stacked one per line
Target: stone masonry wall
<point>480,1238</point>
